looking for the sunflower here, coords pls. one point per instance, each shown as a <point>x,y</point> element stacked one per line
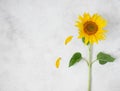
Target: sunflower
<point>91,28</point>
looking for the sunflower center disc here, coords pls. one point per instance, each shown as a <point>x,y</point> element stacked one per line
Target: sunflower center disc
<point>90,27</point>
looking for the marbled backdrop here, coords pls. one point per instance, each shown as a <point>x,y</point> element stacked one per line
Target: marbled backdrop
<point>32,34</point>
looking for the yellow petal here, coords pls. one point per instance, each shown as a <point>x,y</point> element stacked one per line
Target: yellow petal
<point>68,39</point>
<point>57,64</point>
<point>94,17</point>
<point>80,18</point>
<point>86,40</point>
<point>87,17</point>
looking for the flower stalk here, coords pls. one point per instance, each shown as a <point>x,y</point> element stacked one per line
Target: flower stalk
<point>90,68</point>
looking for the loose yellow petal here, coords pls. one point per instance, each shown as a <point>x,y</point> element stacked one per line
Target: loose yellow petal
<point>57,64</point>
<point>68,39</point>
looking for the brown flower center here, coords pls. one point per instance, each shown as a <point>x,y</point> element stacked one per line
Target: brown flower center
<point>90,27</point>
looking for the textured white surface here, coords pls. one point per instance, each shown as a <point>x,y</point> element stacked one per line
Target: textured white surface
<point>32,33</point>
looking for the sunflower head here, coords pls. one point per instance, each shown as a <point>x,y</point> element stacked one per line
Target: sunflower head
<point>91,28</point>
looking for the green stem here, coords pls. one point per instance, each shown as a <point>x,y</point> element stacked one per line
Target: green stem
<point>86,61</point>
<point>90,69</point>
<point>94,61</point>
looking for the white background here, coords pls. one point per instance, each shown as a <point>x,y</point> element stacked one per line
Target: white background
<point>32,34</point>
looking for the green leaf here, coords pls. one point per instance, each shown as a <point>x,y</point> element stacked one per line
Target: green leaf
<point>75,58</point>
<point>83,40</point>
<point>102,62</point>
<point>104,58</point>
